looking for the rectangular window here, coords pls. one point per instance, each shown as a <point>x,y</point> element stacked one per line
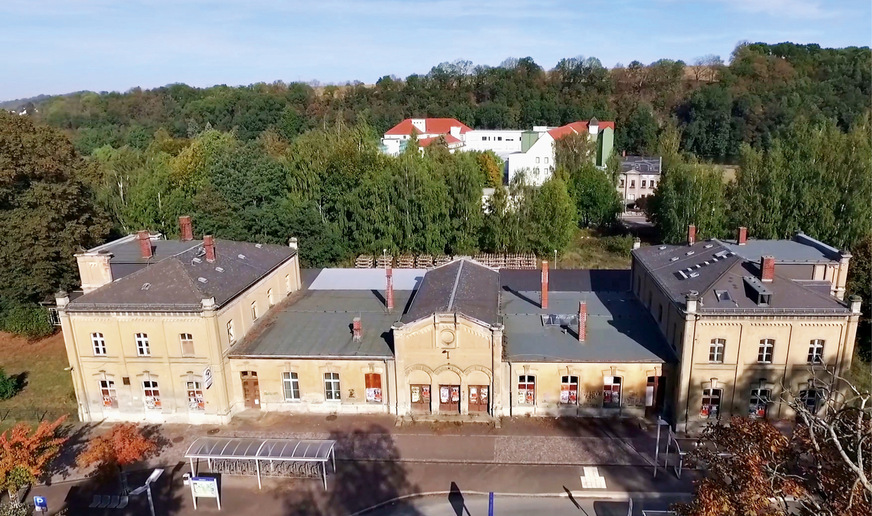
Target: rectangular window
<point>612,392</point>
<point>499,138</point>
<point>653,184</point>
<point>764,354</point>
<point>231,335</point>
<point>816,352</point>
<point>811,399</point>
<point>644,183</point>
<point>142,348</point>
<point>331,386</point>
<point>711,404</point>
<point>195,396</point>
<point>546,161</point>
<point>633,183</point>
<point>760,400</point>
<point>187,342</point>
<point>526,389</point>
<point>622,183</point>
<point>537,159</point>
<point>110,397</point>
<point>151,394</point>
<point>99,343</point>
<point>270,298</point>
<point>373,387</point>
<point>716,351</point>
<point>291,386</point>
<point>254,311</point>
<point>569,390</point>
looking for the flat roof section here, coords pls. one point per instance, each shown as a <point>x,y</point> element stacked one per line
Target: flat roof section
<point>367,279</point>
<point>619,329</point>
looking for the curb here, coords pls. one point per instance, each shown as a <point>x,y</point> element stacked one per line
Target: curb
<point>611,495</point>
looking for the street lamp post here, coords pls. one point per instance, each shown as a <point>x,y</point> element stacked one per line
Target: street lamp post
<point>147,488</point>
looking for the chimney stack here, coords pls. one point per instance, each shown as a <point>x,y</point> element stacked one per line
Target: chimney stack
<point>767,269</point>
<point>144,244</point>
<point>544,302</point>
<point>582,321</point>
<point>356,329</point>
<point>742,237</point>
<point>389,292</point>
<point>209,247</point>
<point>691,234</point>
<point>186,230</point>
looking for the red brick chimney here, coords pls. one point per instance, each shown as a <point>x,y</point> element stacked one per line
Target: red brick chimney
<point>742,237</point>
<point>356,328</point>
<point>544,302</point>
<point>389,292</point>
<point>691,234</point>
<point>767,268</point>
<point>582,321</point>
<point>209,247</point>
<point>186,230</point>
<point>144,244</point>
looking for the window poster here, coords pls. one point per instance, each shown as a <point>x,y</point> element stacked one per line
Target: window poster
<point>425,393</point>
<point>416,394</point>
<point>564,394</point>
<point>530,396</point>
<point>484,394</point>
<point>473,394</point>
<point>374,395</point>
<point>443,394</point>
<point>455,394</point>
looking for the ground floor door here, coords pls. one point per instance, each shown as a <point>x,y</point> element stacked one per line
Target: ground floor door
<point>654,394</point>
<point>449,399</point>
<point>420,397</point>
<point>478,398</point>
<point>250,389</point>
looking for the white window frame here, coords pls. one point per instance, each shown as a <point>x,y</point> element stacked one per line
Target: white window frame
<point>194,402</point>
<point>816,351</point>
<point>287,284</point>
<point>186,338</point>
<point>231,333</point>
<point>270,297</point>
<point>107,390</point>
<point>567,382</point>
<point>98,342</point>
<point>716,351</point>
<point>143,349</point>
<point>254,314</point>
<point>152,386</point>
<point>523,394</point>
<point>611,382</point>
<point>761,396</point>
<point>332,387</point>
<point>290,380</point>
<point>711,395</point>
<point>766,351</point>
<point>816,396</point>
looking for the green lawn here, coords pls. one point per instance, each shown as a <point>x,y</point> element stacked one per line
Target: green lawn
<point>48,390</point>
<point>590,251</point>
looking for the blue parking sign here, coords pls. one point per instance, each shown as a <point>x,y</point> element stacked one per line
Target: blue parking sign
<point>40,504</point>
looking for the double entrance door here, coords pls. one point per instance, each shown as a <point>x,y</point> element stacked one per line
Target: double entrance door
<point>250,389</point>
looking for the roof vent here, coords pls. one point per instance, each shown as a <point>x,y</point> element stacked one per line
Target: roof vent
<point>673,259</point>
<point>219,269</point>
<point>197,260</point>
<point>258,245</point>
<point>721,254</point>
<point>145,286</point>
<point>694,275</point>
<point>689,253</point>
<point>758,290</point>
<point>708,246</point>
<point>662,248</point>
<point>202,280</point>
<point>240,256</point>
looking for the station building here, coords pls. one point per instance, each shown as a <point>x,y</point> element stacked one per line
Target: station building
<point>196,331</point>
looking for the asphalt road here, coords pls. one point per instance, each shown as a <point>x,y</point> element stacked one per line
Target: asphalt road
<point>523,506</point>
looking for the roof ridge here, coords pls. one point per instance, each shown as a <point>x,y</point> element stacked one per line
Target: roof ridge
<point>196,288</point>
<point>738,260</point>
<point>456,282</point>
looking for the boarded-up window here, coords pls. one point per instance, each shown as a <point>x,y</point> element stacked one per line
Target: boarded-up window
<point>373,387</point>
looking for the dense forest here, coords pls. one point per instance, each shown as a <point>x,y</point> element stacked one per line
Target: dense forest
<point>270,161</point>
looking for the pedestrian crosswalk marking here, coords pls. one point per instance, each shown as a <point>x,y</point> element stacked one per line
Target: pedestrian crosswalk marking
<point>592,479</point>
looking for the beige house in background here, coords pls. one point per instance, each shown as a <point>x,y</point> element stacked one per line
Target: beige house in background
<point>198,330</point>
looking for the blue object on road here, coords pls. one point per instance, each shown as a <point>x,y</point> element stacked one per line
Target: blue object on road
<point>40,503</point>
<point>490,505</point>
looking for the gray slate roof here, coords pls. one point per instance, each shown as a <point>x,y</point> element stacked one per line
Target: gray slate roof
<point>619,329</point>
<point>318,324</point>
<point>181,281</point>
<point>462,286</point>
<point>710,265</point>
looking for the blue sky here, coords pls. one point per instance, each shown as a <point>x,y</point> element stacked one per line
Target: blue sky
<point>103,45</point>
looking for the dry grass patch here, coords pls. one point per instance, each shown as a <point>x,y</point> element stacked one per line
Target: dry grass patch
<point>48,389</point>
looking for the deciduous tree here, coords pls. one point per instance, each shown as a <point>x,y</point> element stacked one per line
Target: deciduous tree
<point>25,453</point>
<point>109,453</point>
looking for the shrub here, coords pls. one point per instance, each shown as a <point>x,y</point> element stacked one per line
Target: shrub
<point>620,245</point>
<point>14,508</point>
<point>24,319</point>
<point>9,385</point>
